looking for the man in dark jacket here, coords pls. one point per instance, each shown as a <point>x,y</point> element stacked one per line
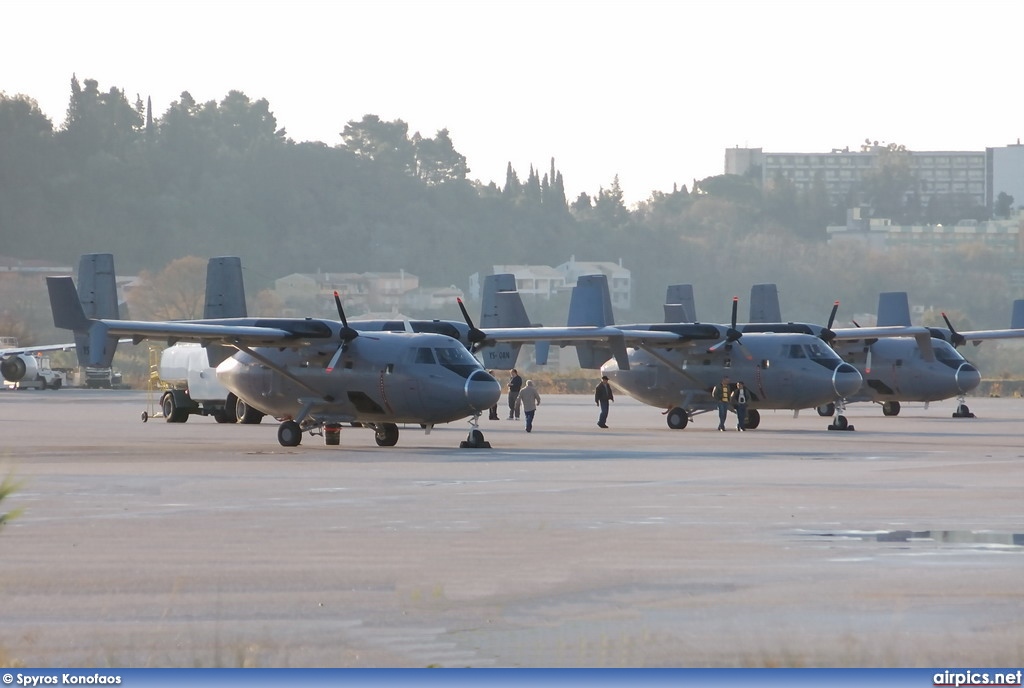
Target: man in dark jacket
<point>515,383</point>
<point>602,395</point>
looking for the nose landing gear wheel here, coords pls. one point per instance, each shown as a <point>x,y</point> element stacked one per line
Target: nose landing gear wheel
<point>962,411</point>
<point>475,441</point>
<point>840,423</point>
<point>289,434</point>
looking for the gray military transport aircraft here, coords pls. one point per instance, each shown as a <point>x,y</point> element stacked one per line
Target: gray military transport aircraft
<point>97,294</point>
<point>676,365</point>
<point>923,365</point>
<point>313,374</point>
<point>901,370</point>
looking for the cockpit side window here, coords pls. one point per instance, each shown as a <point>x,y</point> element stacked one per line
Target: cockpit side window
<point>424,355</point>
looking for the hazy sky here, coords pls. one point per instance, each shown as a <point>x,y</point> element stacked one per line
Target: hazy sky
<point>653,92</point>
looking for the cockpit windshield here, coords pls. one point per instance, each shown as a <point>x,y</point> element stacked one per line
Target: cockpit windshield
<point>946,354</point>
<point>457,359</point>
<point>817,352</point>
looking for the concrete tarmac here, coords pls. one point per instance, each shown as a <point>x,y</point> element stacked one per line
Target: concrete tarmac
<point>156,545</point>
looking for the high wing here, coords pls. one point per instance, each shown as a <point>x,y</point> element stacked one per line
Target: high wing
<point>617,339</point>
<point>13,351</point>
<point>922,335</point>
<point>978,336</point>
<point>290,333</point>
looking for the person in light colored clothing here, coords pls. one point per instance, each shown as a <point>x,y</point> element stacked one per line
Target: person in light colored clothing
<point>529,397</point>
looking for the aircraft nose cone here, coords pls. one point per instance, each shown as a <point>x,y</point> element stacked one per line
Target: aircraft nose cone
<point>846,380</point>
<point>482,391</point>
<point>967,377</point>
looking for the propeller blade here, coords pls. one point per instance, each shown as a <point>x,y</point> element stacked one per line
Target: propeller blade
<point>955,338</point>
<point>335,357</point>
<point>827,334</point>
<point>347,334</point>
<point>735,305</point>
<point>475,335</point>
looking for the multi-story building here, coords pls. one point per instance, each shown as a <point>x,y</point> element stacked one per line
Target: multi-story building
<point>980,175</point>
<point>1005,236</point>
<point>543,281</point>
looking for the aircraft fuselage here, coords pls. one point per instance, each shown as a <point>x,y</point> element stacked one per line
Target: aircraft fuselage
<point>897,370</point>
<point>784,371</point>
<point>425,379</point>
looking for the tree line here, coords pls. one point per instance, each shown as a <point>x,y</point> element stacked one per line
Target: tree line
<point>224,178</point>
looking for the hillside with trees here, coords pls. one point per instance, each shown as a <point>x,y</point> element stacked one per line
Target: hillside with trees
<point>224,178</point>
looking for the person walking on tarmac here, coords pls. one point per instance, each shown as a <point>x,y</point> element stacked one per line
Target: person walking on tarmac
<point>515,383</point>
<point>529,397</point>
<point>721,394</point>
<point>740,397</point>
<point>602,395</point>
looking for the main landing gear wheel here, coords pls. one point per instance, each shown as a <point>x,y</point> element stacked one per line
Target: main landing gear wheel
<point>753,419</point>
<point>677,418</point>
<point>386,435</point>
<point>289,434</point>
<point>827,410</point>
<point>840,423</point>
<point>890,408</point>
<point>962,411</point>
<point>242,412</point>
<point>475,441</point>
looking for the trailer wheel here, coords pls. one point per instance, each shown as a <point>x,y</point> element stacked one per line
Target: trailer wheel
<point>172,413</point>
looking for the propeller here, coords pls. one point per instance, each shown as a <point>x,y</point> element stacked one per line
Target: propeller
<point>827,335</point>
<point>731,334</point>
<point>955,338</point>
<point>346,334</point>
<point>475,335</point>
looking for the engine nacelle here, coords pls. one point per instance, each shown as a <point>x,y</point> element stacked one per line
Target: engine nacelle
<point>14,368</point>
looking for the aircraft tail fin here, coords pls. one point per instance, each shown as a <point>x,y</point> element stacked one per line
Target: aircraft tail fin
<point>502,307</point>
<point>679,304</point>
<point>225,298</point>
<point>225,288</point>
<point>1017,319</point>
<point>893,309</point>
<point>764,304</point>
<point>97,293</point>
<point>591,305</point>
<point>94,346</point>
